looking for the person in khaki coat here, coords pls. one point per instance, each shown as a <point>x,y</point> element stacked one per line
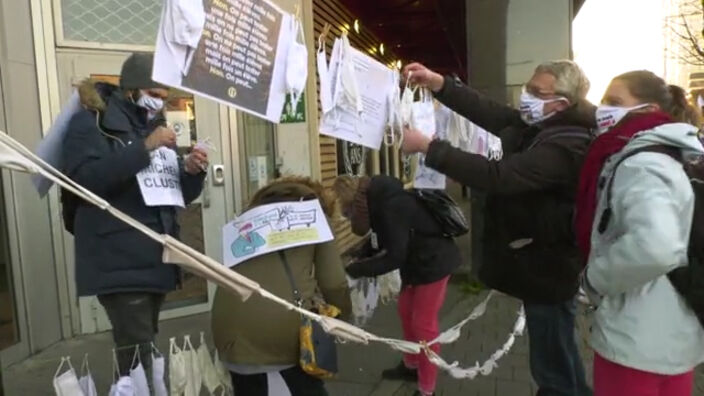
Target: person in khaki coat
<point>257,338</point>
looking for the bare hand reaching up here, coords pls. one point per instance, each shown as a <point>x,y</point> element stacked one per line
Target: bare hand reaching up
<point>424,77</point>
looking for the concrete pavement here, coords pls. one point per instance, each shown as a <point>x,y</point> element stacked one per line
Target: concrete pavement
<point>360,366</point>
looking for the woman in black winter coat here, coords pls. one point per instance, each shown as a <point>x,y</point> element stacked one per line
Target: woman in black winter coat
<point>404,236</point>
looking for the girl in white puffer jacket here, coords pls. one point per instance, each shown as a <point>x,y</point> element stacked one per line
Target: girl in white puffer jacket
<point>646,339</point>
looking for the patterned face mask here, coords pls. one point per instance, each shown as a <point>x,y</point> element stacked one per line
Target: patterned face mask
<point>532,108</point>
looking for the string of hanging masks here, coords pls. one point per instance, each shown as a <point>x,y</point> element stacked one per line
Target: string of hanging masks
<point>190,371</point>
<point>14,156</point>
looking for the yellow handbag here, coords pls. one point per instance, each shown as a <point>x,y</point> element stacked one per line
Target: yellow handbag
<point>318,351</point>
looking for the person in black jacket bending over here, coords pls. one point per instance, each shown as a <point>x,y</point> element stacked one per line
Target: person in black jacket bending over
<point>528,239</point>
<point>106,145</point>
<point>405,236</point>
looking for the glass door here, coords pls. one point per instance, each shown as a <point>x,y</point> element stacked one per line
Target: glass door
<point>259,153</point>
<point>193,119</point>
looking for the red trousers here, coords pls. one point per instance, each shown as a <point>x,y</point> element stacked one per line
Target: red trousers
<point>418,306</point>
<point>612,379</point>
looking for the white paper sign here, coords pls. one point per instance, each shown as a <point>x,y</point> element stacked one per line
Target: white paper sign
<point>160,182</point>
<point>240,56</point>
<point>274,227</point>
<point>374,81</point>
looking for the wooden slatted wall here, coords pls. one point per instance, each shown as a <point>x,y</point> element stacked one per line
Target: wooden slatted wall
<point>334,13</point>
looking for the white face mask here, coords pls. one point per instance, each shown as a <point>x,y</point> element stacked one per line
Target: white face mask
<point>151,104</point>
<point>348,92</point>
<point>158,373</point>
<point>86,381</point>
<point>123,387</point>
<point>608,116</point>
<point>532,108</point>
<point>207,368</point>
<point>139,380</point>
<point>324,78</point>
<point>223,374</point>
<point>193,375</point>
<point>296,65</point>
<point>177,369</point>
<point>423,114</point>
<point>66,384</point>
<point>406,105</point>
<point>88,386</point>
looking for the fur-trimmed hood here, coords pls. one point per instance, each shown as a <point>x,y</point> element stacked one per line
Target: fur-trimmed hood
<point>94,94</point>
<point>294,188</point>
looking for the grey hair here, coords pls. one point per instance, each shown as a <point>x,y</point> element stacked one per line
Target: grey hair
<point>570,80</point>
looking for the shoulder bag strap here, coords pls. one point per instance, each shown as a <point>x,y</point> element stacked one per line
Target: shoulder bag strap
<point>564,132</point>
<point>673,152</point>
<point>289,274</point>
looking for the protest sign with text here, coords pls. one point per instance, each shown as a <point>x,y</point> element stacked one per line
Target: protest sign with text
<point>239,59</point>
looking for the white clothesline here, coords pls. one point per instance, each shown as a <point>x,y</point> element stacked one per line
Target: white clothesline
<point>16,157</point>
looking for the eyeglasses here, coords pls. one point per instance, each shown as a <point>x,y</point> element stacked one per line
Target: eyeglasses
<point>542,94</point>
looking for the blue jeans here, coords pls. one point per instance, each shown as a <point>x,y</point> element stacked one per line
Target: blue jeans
<point>554,358</point>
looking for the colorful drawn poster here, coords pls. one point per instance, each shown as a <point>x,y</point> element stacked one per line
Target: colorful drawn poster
<point>274,227</point>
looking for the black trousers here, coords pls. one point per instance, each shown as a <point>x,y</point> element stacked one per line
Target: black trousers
<point>299,384</point>
<point>135,321</point>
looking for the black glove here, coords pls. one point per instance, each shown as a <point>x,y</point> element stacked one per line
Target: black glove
<point>353,269</point>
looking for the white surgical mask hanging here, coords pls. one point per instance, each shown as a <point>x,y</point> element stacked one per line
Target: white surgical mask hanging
<point>296,64</point>
<point>86,381</point>
<point>406,105</point>
<point>182,23</point>
<point>423,113</point>
<point>207,368</point>
<point>394,122</point>
<point>223,374</point>
<point>347,93</point>
<point>326,102</point>
<point>608,116</point>
<point>158,366</point>
<point>532,108</point>
<point>193,375</point>
<point>346,97</point>
<point>139,377</point>
<point>66,383</point>
<point>123,387</point>
<point>177,369</point>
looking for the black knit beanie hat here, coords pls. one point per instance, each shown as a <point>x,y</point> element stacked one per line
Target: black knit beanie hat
<point>137,72</point>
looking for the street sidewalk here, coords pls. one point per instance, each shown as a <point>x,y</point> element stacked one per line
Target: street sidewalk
<point>360,366</point>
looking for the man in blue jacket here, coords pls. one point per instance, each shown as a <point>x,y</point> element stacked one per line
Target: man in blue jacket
<point>107,144</point>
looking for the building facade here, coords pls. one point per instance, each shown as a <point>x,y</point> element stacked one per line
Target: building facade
<point>48,46</point>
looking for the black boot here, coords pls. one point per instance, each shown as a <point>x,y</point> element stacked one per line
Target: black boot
<point>417,393</point>
<point>400,372</point>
